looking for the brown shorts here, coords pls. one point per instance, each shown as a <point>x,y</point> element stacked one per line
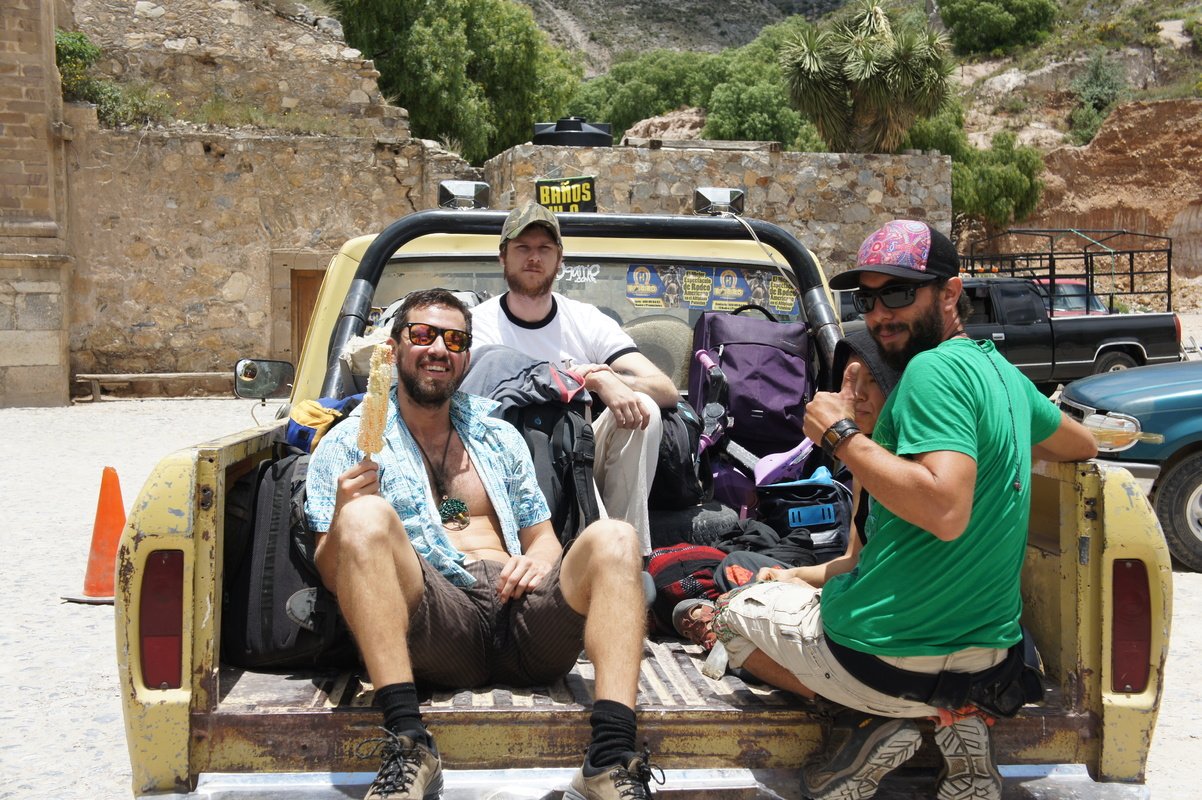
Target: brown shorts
<point>465,637</point>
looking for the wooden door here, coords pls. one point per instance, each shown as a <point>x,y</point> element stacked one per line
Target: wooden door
<point>305,284</point>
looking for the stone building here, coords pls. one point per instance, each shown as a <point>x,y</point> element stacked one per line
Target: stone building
<point>35,263</point>
<point>180,248</point>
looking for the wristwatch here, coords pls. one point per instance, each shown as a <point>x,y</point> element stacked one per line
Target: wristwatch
<point>837,434</point>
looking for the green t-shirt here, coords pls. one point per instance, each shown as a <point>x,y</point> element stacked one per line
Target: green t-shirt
<point>911,593</point>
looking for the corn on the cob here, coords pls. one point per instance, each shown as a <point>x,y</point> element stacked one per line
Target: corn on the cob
<point>375,404</point>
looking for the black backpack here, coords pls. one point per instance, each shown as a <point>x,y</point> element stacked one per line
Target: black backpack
<point>547,406</point>
<point>682,477</point>
<point>276,614</point>
<point>562,447</point>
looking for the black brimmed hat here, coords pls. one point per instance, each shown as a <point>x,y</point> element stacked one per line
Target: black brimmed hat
<point>860,343</point>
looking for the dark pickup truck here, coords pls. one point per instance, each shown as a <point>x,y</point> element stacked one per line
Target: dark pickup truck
<point>1055,350</point>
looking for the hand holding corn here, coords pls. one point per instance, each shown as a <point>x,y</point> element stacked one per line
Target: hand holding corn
<point>375,404</point>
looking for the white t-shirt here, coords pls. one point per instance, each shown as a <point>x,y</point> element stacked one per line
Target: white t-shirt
<point>573,333</point>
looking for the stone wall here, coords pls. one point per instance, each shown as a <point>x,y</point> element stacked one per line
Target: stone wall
<point>174,257</point>
<point>176,231</point>
<point>829,201</point>
<point>34,262</point>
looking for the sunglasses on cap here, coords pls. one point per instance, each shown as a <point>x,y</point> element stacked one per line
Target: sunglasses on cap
<point>895,295</point>
<point>423,335</point>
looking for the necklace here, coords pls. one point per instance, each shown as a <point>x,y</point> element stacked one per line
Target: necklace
<point>451,510</point>
<point>1018,484</point>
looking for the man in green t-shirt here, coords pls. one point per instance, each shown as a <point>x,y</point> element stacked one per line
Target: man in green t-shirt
<point>936,589</point>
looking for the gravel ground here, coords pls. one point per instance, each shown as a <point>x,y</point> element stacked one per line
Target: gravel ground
<point>60,712</point>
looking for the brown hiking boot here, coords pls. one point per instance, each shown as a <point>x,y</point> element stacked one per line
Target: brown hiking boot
<point>629,782</point>
<point>969,772</point>
<point>861,749</point>
<point>408,770</point>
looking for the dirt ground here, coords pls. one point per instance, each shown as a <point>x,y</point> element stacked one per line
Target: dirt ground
<point>60,713</point>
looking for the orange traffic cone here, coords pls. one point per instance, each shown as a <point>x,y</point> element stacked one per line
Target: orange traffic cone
<point>106,533</point>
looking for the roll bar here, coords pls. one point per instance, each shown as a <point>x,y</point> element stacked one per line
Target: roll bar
<point>801,268</point>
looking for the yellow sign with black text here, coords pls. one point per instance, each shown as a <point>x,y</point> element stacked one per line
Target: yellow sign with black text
<point>567,194</point>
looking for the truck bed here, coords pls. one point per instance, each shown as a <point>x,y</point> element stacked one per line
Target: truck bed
<point>688,720</point>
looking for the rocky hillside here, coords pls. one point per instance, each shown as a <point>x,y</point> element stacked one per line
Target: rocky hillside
<point>601,29</point>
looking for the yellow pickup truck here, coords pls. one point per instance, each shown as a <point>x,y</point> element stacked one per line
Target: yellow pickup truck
<point>1097,580</point>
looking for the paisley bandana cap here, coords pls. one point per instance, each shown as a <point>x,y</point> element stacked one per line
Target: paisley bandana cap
<point>903,248</point>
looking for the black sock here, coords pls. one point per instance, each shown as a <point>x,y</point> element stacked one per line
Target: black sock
<point>401,716</point>
<point>614,729</point>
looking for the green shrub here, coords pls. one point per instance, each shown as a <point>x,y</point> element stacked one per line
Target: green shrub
<point>1098,89</point>
<point>808,139</point>
<point>75,54</point>
<point>646,84</point>
<point>116,104</point>
<point>987,26</point>
<point>997,186</point>
<point>758,112</point>
<point>1101,84</point>
<point>1012,104</point>
<point>1083,123</point>
<point>1193,27</point>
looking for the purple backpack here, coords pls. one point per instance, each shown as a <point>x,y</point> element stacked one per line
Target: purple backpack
<point>769,370</point>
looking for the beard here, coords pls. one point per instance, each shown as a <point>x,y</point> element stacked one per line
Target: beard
<point>926,333</point>
<point>426,391</point>
<point>528,284</point>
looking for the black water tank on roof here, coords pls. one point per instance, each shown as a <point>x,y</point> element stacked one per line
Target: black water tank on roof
<point>574,132</point>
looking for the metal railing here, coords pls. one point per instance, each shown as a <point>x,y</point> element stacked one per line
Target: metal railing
<point>1127,270</point>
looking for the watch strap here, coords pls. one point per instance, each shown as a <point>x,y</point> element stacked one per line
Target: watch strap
<point>837,434</point>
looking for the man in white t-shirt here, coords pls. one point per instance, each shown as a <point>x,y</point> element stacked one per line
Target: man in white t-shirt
<point>578,336</point>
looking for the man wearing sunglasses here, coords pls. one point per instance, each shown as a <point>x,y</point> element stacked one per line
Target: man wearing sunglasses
<point>548,326</point>
<point>447,570</point>
<point>933,607</point>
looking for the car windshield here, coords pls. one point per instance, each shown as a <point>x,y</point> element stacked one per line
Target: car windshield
<point>625,289</point>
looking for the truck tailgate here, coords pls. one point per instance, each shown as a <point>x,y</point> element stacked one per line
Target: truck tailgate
<point>300,722</point>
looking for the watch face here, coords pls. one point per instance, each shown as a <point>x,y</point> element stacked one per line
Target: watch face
<point>830,438</point>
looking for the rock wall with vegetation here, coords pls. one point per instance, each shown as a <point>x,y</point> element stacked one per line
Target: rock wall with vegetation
<point>168,247</point>
<point>173,242</point>
<point>236,62</point>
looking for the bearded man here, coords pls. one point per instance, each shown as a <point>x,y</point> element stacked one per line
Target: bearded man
<point>459,598</point>
<point>933,605</point>
<point>576,336</point>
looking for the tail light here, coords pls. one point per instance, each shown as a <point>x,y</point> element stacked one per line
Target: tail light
<point>1131,648</point>
<point>161,619</point>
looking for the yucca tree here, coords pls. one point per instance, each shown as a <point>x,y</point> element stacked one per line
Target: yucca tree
<point>863,81</point>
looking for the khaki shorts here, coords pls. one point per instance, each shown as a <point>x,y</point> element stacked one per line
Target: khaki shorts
<point>784,620</point>
<point>461,638</point>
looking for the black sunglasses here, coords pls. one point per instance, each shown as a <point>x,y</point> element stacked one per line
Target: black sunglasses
<point>424,335</point>
<point>897,295</point>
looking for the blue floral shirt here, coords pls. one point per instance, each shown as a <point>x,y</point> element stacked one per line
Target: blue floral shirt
<point>496,449</point>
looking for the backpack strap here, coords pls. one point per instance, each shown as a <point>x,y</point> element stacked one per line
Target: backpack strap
<point>757,307</point>
<point>576,437</point>
<point>583,449</point>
